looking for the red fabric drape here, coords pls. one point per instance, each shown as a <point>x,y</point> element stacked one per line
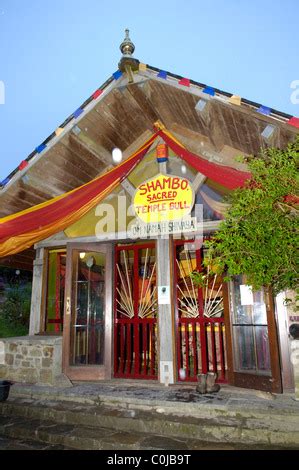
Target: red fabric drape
<point>224,175</point>
<point>54,210</point>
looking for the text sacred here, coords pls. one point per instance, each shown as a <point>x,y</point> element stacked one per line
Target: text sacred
<point>164,197</point>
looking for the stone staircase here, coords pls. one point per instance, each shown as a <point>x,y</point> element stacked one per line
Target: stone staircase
<point>114,423</point>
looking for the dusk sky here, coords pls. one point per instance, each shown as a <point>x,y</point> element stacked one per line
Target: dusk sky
<point>55,53</point>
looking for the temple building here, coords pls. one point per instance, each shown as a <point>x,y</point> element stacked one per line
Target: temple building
<point>112,211</point>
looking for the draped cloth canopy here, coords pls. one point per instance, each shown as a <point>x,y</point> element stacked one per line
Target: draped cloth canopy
<point>21,230</point>
<point>224,175</point>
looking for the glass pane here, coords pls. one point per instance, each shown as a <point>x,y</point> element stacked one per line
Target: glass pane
<point>250,331</point>
<point>259,309</point>
<point>244,348</point>
<point>55,291</point>
<point>242,302</point>
<point>262,348</point>
<point>87,339</point>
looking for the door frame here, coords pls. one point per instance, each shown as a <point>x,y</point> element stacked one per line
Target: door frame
<point>271,383</point>
<point>93,372</point>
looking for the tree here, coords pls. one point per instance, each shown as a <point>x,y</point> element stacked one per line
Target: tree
<point>259,236</point>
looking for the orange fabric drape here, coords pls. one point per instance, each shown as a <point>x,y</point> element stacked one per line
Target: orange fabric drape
<point>20,231</point>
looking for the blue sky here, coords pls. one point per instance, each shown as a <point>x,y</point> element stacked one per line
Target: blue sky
<point>55,53</point>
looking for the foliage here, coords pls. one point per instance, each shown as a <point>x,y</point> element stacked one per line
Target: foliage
<point>259,237</point>
<point>199,279</point>
<point>8,330</point>
<point>15,308</point>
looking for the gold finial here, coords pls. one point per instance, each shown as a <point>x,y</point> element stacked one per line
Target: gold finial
<point>127,63</point>
<point>127,47</point>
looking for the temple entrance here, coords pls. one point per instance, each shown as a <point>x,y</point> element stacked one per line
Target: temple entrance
<point>87,318</point>
<point>135,312</point>
<point>200,328</point>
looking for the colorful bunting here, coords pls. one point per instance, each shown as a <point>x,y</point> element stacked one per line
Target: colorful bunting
<point>40,148</point>
<point>97,93</point>
<point>4,182</point>
<point>117,74</point>
<point>294,121</point>
<point>162,74</point>
<point>23,165</point>
<point>58,131</point>
<point>184,81</point>
<point>78,112</point>
<point>264,110</point>
<point>209,91</point>
<point>235,99</point>
<point>142,67</point>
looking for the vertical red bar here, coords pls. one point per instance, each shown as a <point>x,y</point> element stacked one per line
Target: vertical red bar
<point>57,296</point>
<point>194,346</point>
<point>122,347</point>
<point>136,306</point>
<point>152,346</point>
<point>129,353</point>
<point>116,326</point>
<point>179,345</point>
<point>221,348</point>
<point>145,348</point>
<point>187,348</point>
<point>213,347</point>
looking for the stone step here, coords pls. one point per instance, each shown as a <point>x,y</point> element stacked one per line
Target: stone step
<point>41,434</point>
<point>22,434</point>
<point>272,430</point>
<point>9,443</point>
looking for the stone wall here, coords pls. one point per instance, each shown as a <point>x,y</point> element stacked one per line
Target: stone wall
<point>32,359</point>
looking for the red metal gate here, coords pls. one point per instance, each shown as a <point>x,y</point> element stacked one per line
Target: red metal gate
<point>200,329</point>
<point>135,312</point>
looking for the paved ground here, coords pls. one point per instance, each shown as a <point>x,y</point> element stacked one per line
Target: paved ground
<point>152,394</point>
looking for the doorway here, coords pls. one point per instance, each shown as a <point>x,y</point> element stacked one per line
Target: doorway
<point>252,338</point>
<point>87,318</point>
<point>200,327</point>
<point>135,312</point>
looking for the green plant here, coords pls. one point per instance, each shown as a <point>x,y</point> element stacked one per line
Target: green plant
<point>259,237</point>
<point>16,307</point>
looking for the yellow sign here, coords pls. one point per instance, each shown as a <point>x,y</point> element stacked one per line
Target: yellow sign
<point>162,198</point>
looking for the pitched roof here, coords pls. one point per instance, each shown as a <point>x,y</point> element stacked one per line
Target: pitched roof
<point>213,123</point>
<point>150,72</point>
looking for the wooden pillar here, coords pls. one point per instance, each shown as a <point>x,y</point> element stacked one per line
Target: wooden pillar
<point>36,296</point>
<point>281,316</point>
<point>165,311</point>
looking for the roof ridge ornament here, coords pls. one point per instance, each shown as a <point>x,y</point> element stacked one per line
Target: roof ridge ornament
<point>127,47</point>
<point>128,64</point>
